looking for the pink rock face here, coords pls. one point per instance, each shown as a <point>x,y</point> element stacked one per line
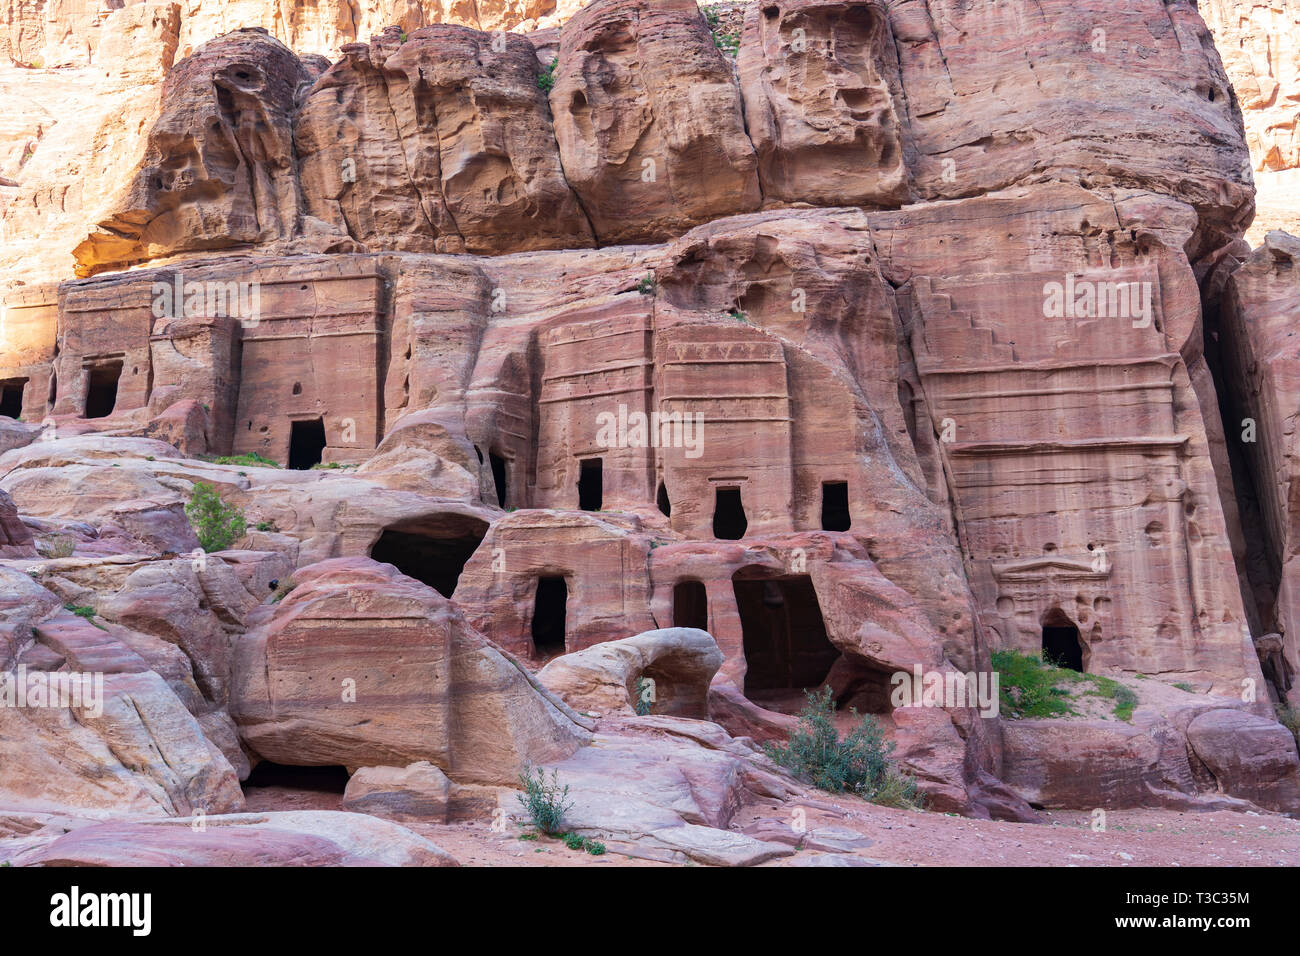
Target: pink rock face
<point>649,122</point>
<point>440,140</point>
<point>219,168</point>
<point>15,538</point>
<point>817,79</point>
<point>1261,307</point>
<point>360,666</point>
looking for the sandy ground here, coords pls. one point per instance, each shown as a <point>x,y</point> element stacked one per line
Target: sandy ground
<point>912,838</point>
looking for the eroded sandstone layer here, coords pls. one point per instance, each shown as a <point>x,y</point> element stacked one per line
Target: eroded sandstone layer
<point>872,352</point>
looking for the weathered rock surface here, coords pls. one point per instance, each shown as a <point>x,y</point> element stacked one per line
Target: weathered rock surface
<point>361,666</point>
<point>665,672</point>
<point>418,792</point>
<point>296,838</point>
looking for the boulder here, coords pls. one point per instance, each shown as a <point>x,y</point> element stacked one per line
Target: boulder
<point>668,671</point>
<point>362,666</point>
<point>418,792</point>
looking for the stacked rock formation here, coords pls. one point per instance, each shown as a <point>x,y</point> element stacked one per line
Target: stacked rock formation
<point>872,353</point>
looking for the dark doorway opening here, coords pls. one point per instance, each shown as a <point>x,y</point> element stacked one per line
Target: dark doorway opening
<point>729,521</point>
<point>306,444</point>
<point>438,562</point>
<point>549,613</point>
<point>499,477</point>
<point>691,605</point>
<point>665,506</point>
<point>11,397</point>
<point>101,390</point>
<point>835,506</point>
<point>1061,645</point>
<point>318,779</point>
<point>786,646</point>
<point>591,484</point>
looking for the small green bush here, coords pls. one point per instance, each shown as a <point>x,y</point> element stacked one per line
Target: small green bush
<point>217,524</point>
<point>642,703</point>
<point>546,803</point>
<point>860,763</point>
<point>648,286</point>
<point>546,79</point>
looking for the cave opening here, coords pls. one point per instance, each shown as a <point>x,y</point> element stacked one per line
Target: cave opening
<point>550,610</point>
<point>101,390</point>
<point>11,397</point>
<point>729,521</point>
<point>317,779</point>
<point>1061,644</point>
<point>665,505</point>
<point>787,649</point>
<point>690,605</point>
<point>835,506</point>
<point>591,484</point>
<point>306,444</point>
<point>499,477</point>
<point>434,560</point>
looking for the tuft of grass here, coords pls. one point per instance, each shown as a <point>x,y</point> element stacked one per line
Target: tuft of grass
<point>576,842</point>
<point>649,285</point>
<point>861,763</point>
<point>1027,686</point>
<point>60,546</point>
<point>84,612</point>
<point>546,803</point>
<point>1184,686</point>
<point>739,315</point>
<point>252,460</point>
<point>1033,687</point>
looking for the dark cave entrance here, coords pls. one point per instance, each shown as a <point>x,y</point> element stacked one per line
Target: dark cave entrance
<point>690,605</point>
<point>786,646</point>
<point>835,506</point>
<point>499,477</point>
<point>317,779</point>
<point>665,506</point>
<point>306,444</point>
<point>101,389</point>
<point>591,484</point>
<point>550,610</point>
<point>433,560</point>
<point>729,521</point>
<point>1061,644</point>
<point>11,397</point>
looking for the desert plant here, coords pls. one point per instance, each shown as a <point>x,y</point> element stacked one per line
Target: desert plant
<point>728,41</point>
<point>861,763</point>
<point>739,315</point>
<point>84,612</point>
<point>649,285</point>
<point>60,546</point>
<point>546,79</point>
<point>546,803</point>
<point>217,524</point>
<point>644,698</point>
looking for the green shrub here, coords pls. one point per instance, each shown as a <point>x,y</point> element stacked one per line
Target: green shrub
<point>546,79</point>
<point>1184,686</point>
<point>546,803</point>
<point>595,848</point>
<point>739,315</point>
<point>728,41</point>
<point>217,524</point>
<point>648,286</point>
<point>860,763</point>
